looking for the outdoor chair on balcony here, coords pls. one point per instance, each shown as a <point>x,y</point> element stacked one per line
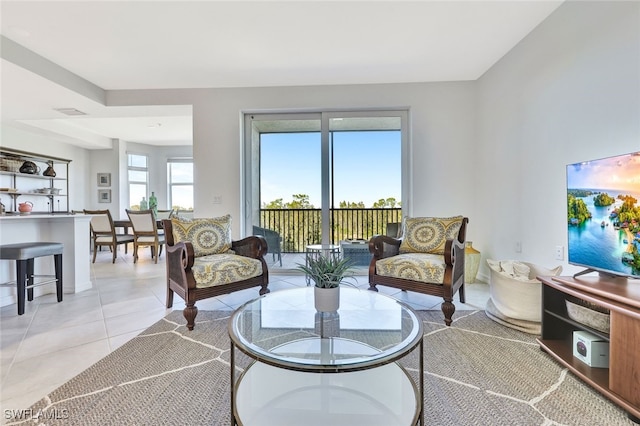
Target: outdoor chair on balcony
<point>427,258</point>
<point>203,261</point>
<point>274,241</point>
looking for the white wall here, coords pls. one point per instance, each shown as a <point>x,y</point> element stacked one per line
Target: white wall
<point>442,119</point>
<point>568,92</point>
<point>114,161</point>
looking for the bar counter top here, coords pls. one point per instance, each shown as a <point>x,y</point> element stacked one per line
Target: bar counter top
<point>36,215</point>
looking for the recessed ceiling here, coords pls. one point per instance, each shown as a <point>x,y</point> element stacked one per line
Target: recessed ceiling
<point>207,44</point>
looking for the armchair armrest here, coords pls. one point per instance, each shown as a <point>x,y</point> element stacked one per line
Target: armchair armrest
<point>180,259</point>
<point>382,246</point>
<point>454,260</point>
<point>254,246</point>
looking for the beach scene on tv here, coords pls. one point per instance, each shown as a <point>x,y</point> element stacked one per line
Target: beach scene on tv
<point>603,214</point>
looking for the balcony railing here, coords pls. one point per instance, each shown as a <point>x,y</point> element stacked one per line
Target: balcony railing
<point>300,227</point>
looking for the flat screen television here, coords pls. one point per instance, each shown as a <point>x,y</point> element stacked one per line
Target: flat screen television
<point>603,215</point>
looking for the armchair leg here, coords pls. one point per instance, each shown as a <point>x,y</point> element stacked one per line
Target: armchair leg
<point>264,289</point>
<point>372,287</point>
<point>448,309</point>
<point>169,297</point>
<point>190,313</point>
<point>461,293</point>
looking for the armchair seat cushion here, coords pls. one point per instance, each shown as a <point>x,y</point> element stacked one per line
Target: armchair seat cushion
<point>144,239</point>
<point>225,268</point>
<point>423,267</point>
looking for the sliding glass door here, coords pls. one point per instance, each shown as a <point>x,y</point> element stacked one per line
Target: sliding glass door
<point>325,177</point>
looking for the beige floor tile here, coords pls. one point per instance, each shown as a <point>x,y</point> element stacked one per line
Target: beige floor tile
<point>38,343</point>
<point>130,305</point>
<point>31,379</point>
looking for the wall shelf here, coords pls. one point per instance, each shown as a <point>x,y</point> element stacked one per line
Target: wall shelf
<point>25,185</point>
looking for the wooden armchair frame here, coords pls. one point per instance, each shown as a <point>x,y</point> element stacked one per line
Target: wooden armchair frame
<point>180,280</point>
<point>382,246</point>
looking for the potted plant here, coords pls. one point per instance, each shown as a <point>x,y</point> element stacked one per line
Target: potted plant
<point>327,273</point>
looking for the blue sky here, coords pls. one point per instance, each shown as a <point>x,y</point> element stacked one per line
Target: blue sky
<point>366,166</point>
<point>620,172</point>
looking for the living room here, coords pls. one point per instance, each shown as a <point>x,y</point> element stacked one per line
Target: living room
<point>493,149</point>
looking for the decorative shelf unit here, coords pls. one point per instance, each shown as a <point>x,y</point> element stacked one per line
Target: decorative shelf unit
<point>17,187</point>
<point>620,381</point>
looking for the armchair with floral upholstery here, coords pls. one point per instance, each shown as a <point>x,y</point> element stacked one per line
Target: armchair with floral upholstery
<point>203,261</point>
<point>427,258</point>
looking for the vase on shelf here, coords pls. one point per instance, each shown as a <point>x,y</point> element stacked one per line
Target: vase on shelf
<point>49,172</point>
<point>471,263</point>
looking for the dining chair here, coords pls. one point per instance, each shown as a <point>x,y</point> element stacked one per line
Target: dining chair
<point>104,233</point>
<point>145,233</point>
<point>164,214</point>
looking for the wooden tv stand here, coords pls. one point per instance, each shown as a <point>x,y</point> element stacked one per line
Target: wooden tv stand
<point>621,381</point>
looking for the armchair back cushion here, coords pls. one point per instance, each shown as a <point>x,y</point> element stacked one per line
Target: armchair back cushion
<point>208,236</point>
<point>428,234</point>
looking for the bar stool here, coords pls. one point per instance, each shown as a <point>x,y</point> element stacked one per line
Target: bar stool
<point>24,255</point>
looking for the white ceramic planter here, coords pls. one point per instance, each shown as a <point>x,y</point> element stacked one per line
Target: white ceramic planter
<point>326,299</point>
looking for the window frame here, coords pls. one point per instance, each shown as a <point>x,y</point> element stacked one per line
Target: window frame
<point>171,184</point>
<point>137,169</point>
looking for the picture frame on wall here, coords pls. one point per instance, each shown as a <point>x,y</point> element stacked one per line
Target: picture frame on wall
<point>104,195</point>
<point>104,179</point>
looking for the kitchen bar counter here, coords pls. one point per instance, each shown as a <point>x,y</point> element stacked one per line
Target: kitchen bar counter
<point>70,230</point>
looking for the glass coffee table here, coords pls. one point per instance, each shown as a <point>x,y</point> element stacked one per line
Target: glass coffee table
<point>326,368</point>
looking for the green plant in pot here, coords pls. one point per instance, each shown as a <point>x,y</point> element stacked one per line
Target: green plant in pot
<point>327,273</point>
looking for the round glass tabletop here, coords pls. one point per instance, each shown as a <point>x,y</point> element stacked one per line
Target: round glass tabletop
<point>284,329</point>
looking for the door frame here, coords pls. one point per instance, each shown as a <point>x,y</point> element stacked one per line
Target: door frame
<point>250,154</point>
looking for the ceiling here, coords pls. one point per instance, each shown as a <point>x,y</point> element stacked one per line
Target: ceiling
<point>119,45</point>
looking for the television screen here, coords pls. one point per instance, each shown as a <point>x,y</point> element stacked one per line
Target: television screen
<point>603,214</point>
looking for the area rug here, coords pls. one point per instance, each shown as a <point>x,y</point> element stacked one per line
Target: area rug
<point>477,372</point>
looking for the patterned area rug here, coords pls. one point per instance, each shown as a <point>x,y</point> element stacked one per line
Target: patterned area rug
<point>477,372</point>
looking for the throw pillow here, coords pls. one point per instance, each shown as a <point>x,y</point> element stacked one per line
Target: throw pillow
<point>428,234</point>
<point>521,270</point>
<point>507,267</point>
<point>208,236</point>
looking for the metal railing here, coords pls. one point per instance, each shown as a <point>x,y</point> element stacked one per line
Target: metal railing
<point>300,227</point>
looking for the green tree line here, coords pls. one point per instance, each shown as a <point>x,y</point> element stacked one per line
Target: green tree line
<point>299,222</point>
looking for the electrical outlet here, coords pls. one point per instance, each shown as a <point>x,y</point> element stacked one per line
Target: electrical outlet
<point>559,253</point>
<point>217,199</point>
<point>518,247</point>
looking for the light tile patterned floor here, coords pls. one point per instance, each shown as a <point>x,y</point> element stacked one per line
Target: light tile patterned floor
<point>52,342</point>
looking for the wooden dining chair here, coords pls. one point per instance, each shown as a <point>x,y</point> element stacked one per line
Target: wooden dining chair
<point>164,214</point>
<point>145,233</point>
<point>104,233</point>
